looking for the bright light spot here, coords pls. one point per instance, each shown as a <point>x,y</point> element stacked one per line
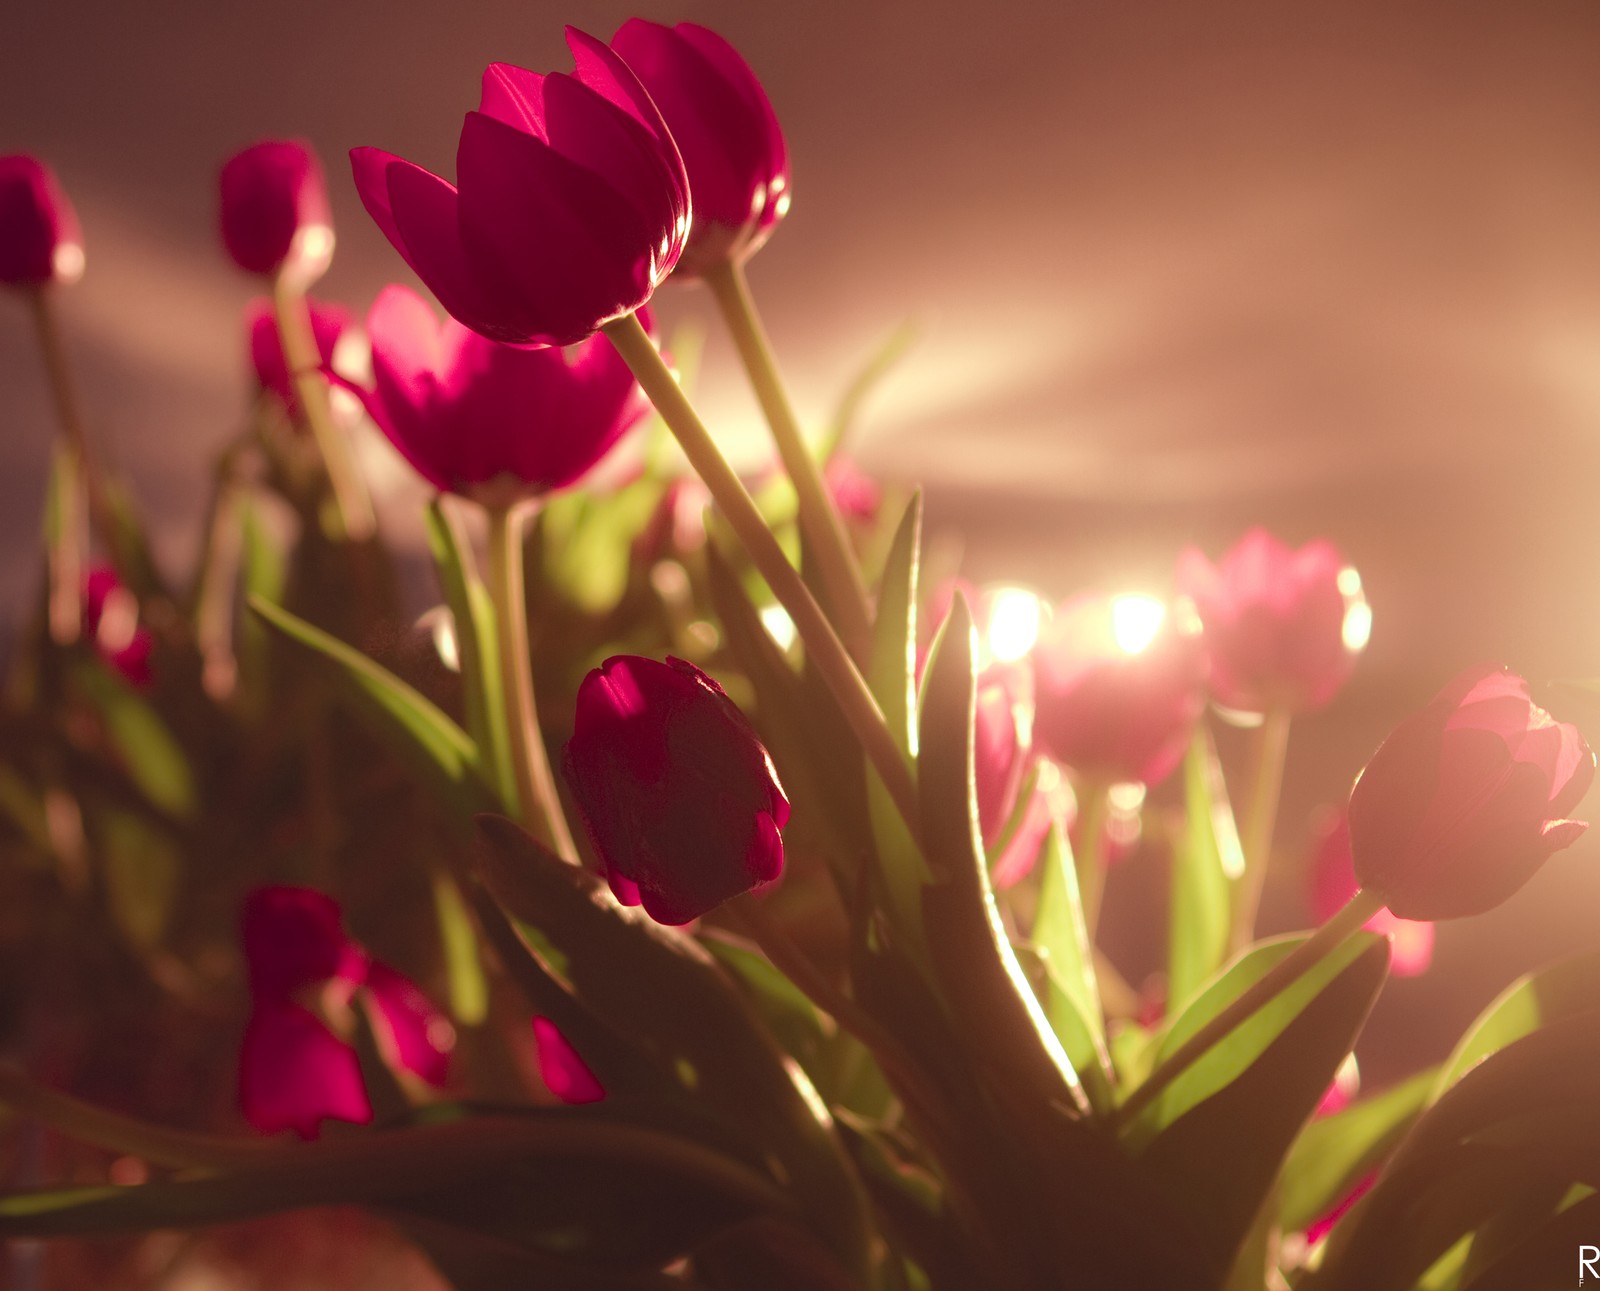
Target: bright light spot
<point>1127,797</point>
<point>316,242</point>
<point>1135,620</point>
<point>441,1035</point>
<point>671,581</point>
<point>1349,581</point>
<point>67,263</point>
<point>1347,1080</point>
<point>779,626</point>
<point>1357,628</point>
<point>1014,615</point>
<point>441,624</point>
<point>119,620</point>
<point>704,635</point>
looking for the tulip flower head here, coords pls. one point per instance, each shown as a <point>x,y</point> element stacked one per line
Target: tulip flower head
<point>294,1071</point>
<point>1467,799</point>
<point>1118,687</point>
<point>491,421</point>
<point>111,624</point>
<point>570,207</point>
<point>274,211</point>
<point>680,799</point>
<point>40,242</point>
<point>328,325</point>
<point>726,130</point>
<point>1333,883</point>
<point>1283,627</point>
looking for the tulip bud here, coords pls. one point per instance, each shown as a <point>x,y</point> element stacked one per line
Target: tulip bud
<point>40,242</point>
<point>680,798</point>
<point>1466,799</point>
<point>1283,627</point>
<point>274,211</point>
<point>564,1073</point>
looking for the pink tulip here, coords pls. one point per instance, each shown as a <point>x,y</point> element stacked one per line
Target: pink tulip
<point>40,242</point>
<point>565,1074</point>
<point>1467,799</point>
<point>680,798</point>
<point>571,204</point>
<point>1283,627</point>
<point>274,210</point>
<point>111,623</point>
<point>294,1072</point>
<point>488,420</point>
<point>328,324</point>
<point>1333,883</point>
<point>732,145</point>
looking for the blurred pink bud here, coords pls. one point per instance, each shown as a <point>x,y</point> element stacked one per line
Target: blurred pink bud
<point>1317,1231</point>
<point>1467,799</point>
<point>1283,627</point>
<point>732,146</point>
<point>680,798</point>
<point>328,324</point>
<point>488,420</point>
<point>1333,883</point>
<point>1118,687</point>
<point>565,1074</point>
<point>274,210</point>
<point>570,207</point>
<point>1000,741</point>
<point>40,242</point>
<point>855,493</point>
<point>111,623</point>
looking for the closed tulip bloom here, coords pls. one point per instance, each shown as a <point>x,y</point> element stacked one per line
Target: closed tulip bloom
<point>564,1073</point>
<point>1283,627</point>
<point>1467,799</point>
<point>1333,883</point>
<point>679,797</point>
<point>328,324</point>
<point>274,210</point>
<point>1118,687</point>
<point>491,421</point>
<point>570,206</point>
<point>40,242</point>
<point>732,145</point>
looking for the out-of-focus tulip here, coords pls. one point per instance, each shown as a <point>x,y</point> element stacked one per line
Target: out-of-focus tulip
<point>680,798</point>
<point>1118,686</point>
<point>855,493</point>
<point>492,421</point>
<point>328,324</point>
<point>1001,744</point>
<point>40,242</point>
<point>1333,883</point>
<point>294,1072</point>
<point>111,623</point>
<point>274,211</point>
<point>570,206</point>
<point>726,130</point>
<point>565,1074</point>
<point>1466,799</point>
<point>1283,627</point>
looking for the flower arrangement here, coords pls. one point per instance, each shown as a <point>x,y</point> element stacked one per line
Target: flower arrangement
<point>710,897</point>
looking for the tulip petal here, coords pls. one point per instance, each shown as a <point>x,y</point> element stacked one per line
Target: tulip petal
<point>422,1036</point>
<point>294,1073</point>
<point>515,96</point>
<point>564,1073</point>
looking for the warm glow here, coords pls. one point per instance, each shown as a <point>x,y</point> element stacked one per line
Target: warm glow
<point>119,620</point>
<point>1357,628</point>
<point>67,263</point>
<point>1013,627</point>
<point>1127,797</point>
<point>441,625</point>
<point>1135,620</point>
<point>779,626</point>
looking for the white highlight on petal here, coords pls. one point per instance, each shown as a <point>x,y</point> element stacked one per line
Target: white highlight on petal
<point>1135,620</point>
<point>1014,617</point>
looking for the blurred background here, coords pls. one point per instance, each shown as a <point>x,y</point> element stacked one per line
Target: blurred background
<point>1175,269</point>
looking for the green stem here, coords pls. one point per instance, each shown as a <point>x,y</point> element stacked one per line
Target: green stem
<point>1090,853</point>
<point>822,644</point>
<point>1271,749</point>
<point>819,517</point>
<point>1286,971</point>
<point>351,503</point>
<point>536,788</point>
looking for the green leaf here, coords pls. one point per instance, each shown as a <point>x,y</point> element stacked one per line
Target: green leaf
<point>586,540</point>
<point>147,750</point>
<point>788,1013</point>
<point>1203,858</point>
<point>469,989</point>
<point>410,723</point>
<point>143,868</point>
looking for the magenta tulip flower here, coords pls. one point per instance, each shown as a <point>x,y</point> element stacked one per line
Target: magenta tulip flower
<point>1283,627</point>
<point>492,421</point>
<point>1333,882</point>
<point>328,324</point>
<point>680,798</point>
<point>732,146</point>
<point>40,242</point>
<point>294,1071</point>
<point>274,211</point>
<point>1118,687</point>
<point>570,206</point>
<point>1467,799</point>
<point>111,624</point>
<point>564,1073</point>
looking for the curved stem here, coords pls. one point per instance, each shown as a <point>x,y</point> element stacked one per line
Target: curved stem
<point>1271,749</point>
<point>536,788</point>
<point>822,644</point>
<point>819,517</point>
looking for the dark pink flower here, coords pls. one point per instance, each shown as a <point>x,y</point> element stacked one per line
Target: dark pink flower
<point>565,1074</point>
<point>726,130</point>
<point>680,798</point>
<point>274,210</point>
<point>1118,687</point>
<point>294,1071</point>
<point>328,324</point>
<point>1467,799</point>
<point>1333,883</point>
<point>40,242</point>
<point>111,623</point>
<point>570,206</point>
<point>1283,627</point>
<point>480,418</point>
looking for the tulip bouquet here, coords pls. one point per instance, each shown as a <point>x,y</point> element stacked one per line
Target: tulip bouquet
<point>709,895</point>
